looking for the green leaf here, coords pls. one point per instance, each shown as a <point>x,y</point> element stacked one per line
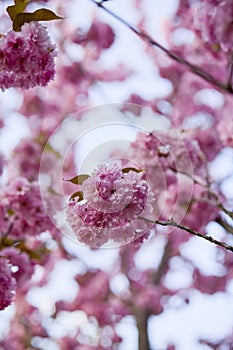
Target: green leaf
<point>79,180</point>
<point>10,212</point>
<point>19,7</point>
<point>126,170</point>
<point>49,148</point>
<point>77,194</point>
<point>38,15</point>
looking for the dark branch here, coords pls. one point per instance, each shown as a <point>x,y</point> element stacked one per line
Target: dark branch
<point>230,74</point>
<point>163,263</point>
<point>172,223</point>
<point>225,225</point>
<point>174,56</point>
<point>141,317</point>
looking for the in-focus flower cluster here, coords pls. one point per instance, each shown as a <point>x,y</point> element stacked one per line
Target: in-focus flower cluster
<point>26,57</point>
<point>112,202</point>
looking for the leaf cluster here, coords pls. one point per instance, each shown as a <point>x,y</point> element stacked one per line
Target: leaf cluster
<point>19,17</point>
<point>79,180</point>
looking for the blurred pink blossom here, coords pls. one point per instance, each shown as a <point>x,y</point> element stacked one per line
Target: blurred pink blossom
<point>22,210</point>
<point>215,23</point>
<point>23,263</point>
<point>7,283</point>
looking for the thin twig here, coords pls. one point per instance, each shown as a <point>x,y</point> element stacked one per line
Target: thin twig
<point>163,263</point>
<point>225,225</point>
<point>174,56</point>
<point>230,75</point>
<point>210,192</point>
<point>172,223</point>
<point>220,205</point>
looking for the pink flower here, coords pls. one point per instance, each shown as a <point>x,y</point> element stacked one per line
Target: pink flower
<point>101,34</point>
<point>209,284</point>
<point>21,207</point>
<point>112,191</point>
<point>26,57</point>
<point>113,200</point>
<point>25,266</point>
<point>7,284</point>
<point>215,23</point>
<point>27,156</point>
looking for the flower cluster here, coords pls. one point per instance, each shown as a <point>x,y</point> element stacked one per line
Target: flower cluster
<point>21,209</point>
<point>7,284</point>
<point>24,265</point>
<point>112,202</point>
<point>26,57</point>
<point>100,34</point>
<point>214,20</point>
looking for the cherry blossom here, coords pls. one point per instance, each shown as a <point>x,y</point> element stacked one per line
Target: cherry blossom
<point>99,34</point>
<point>7,283</point>
<point>26,57</point>
<point>112,201</point>
<point>23,264</point>
<point>214,20</point>
<point>22,211</point>
<point>71,296</point>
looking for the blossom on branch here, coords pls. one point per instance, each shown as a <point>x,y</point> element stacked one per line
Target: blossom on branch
<point>7,284</point>
<point>21,209</point>
<point>112,201</point>
<point>214,21</point>
<point>24,265</point>
<point>26,57</point>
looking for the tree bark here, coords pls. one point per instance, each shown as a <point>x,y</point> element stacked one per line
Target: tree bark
<point>142,325</point>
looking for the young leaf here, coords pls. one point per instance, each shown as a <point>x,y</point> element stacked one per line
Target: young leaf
<point>77,194</point>
<point>19,7</point>
<point>79,179</point>
<point>38,15</point>
<point>18,1</point>
<point>126,170</point>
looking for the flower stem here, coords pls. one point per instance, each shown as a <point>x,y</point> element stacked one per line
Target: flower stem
<point>230,77</point>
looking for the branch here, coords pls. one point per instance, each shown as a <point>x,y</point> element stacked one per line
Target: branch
<point>225,225</point>
<point>220,205</point>
<point>174,56</point>
<point>141,315</point>
<point>230,69</point>
<point>163,263</point>
<point>172,223</point>
<point>211,193</point>
<point>142,325</point>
